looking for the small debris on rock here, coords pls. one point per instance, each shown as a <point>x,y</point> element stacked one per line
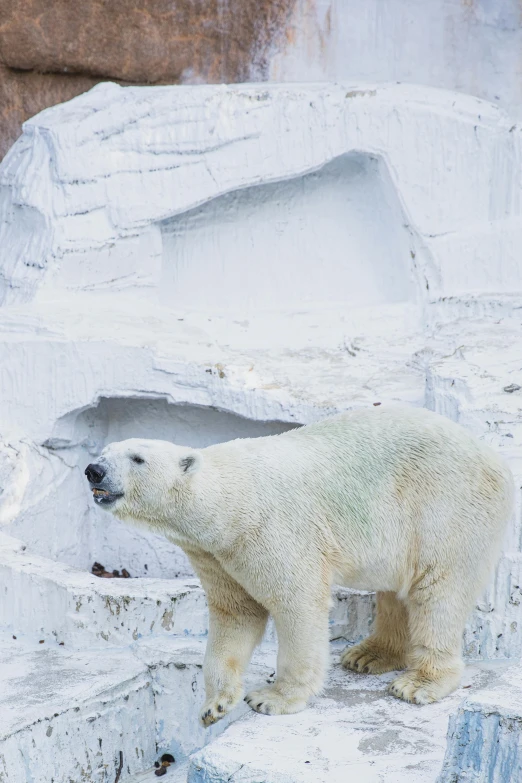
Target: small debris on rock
<point>41,641</point>
<point>513,387</point>
<point>161,766</point>
<point>99,570</point>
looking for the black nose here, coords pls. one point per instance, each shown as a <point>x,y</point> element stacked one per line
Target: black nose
<point>94,473</point>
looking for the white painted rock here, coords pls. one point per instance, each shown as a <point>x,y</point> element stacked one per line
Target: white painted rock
<point>353,731</point>
<point>14,477</point>
<point>485,735</point>
<point>273,195</point>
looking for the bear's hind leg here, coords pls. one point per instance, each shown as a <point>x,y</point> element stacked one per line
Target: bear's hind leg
<point>436,616</point>
<point>385,649</point>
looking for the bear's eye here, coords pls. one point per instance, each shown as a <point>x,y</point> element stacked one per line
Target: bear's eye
<point>137,460</point>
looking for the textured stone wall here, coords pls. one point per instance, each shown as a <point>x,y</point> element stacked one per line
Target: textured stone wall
<point>52,50</point>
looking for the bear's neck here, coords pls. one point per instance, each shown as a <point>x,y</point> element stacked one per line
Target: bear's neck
<point>206,514</point>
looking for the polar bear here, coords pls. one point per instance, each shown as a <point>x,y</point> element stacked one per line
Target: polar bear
<point>397,500</point>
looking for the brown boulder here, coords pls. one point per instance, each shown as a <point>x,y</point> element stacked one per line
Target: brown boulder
<point>142,41</point>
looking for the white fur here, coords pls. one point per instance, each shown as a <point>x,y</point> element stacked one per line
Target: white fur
<point>401,501</point>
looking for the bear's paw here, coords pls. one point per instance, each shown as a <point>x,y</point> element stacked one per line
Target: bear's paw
<point>371,658</point>
<point>417,688</point>
<point>216,708</point>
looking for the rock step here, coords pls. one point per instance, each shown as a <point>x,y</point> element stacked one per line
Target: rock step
<point>485,735</point>
<point>50,600</point>
<point>177,773</point>
<point>176,667</point>
<point>79,715</point>
<point>354,731</point>
<point>69,715</point>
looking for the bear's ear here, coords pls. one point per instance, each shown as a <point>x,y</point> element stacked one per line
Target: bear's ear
<point>190,463</point>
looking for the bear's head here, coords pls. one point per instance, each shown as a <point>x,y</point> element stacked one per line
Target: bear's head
<point>143,480</point>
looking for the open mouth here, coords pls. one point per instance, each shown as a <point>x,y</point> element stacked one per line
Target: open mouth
<point>104,497</point>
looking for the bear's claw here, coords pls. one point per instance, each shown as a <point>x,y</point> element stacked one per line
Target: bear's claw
<point>418,688</point>
<point>367,658</point>
<point>406,688</point>
<point>216,709</point>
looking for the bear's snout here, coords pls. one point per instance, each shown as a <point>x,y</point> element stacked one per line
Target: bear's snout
<point>95,473</point>
<point>104,491</point>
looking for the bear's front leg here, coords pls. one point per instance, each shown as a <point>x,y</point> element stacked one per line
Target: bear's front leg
<point>236,626</point>
<point>302,660</point>
<point>234,632</point>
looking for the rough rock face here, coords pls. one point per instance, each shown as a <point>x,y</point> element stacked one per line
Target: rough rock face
<point>25,93</point>
<point>484,735</point>
<point>165,162</point>
<point>14,475</point>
